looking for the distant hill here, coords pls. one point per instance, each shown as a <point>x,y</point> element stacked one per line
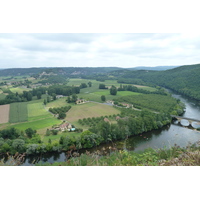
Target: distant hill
<point>57,70</point>
<point>157,68</point>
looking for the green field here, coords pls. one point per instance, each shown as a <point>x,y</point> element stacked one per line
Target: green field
<point>95,84</point>
<point>19,90</point>
<point>18,112</point>
<point>58,103</point>
<point>38,124</point>
<point>37,111</point>
<point>90,110</point>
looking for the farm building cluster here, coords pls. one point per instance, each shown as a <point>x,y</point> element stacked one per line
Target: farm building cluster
<point>64,127</point>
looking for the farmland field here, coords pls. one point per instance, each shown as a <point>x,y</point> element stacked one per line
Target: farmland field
<point>4,113</point>
<point>57,103</point>
<point>19,90</point>
<point>96,96</point>
<point>38,124</point>
<point>119,93</point>
<point>37,111</point>
<point>18,112</point>
<point>90,110</point>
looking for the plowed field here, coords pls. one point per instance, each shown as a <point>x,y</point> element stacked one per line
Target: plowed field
<point>4,113</point>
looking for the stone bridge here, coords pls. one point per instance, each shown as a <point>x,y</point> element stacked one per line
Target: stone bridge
<point>190,120</point>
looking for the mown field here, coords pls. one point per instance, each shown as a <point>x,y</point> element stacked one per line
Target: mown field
<point>18,112</point>
<point>89,110</point>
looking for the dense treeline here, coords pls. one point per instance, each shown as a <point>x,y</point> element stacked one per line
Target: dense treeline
<point>104,132</point>
<point>136,89</point>
<point>63,90</point>
<point>130,123</point>
<point>155,102</point>
<point>13,140</point>
<point>25,96</point>
<point>28,95</point>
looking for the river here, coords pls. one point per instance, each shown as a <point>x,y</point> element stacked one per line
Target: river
<point>166,137</point>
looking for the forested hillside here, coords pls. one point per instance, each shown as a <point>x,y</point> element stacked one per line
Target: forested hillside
<point>184,79</point>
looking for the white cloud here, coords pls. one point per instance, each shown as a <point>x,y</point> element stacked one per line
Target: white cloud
<point>90,49</point>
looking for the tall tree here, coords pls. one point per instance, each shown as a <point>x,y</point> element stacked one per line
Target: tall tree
<point>113,90</point>
<point>103,98</point>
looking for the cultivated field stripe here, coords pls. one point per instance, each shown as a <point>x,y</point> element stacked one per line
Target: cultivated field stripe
<point>18,112</point>
<point>4,113</point>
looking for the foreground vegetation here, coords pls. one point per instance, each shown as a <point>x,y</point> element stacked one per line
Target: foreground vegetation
<point>175,156</point>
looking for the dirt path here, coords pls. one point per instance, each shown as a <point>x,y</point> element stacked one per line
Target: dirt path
<point>4,113</point>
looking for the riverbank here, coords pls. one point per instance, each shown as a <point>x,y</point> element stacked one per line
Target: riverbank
<point>175,156</point>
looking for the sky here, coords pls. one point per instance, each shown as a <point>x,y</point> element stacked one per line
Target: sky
<point>98,49</point>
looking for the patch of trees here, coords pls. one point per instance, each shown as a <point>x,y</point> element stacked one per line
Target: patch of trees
<point>90,84</point>
<point>87,139</point>
<point>25,96</point>
<point>13,140</point>
<point>61,111</point>
<point>103,98</point>
<point>113,90</point>
<point>93,121</point>
<point>139,90</point>
<point>102,86</point>
<point>83,85</point>
<point>72,99</point>
<point>63,90</point>
<point>130,125</point>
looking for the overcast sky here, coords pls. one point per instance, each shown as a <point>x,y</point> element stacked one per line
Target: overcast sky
<point>98,50</point>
